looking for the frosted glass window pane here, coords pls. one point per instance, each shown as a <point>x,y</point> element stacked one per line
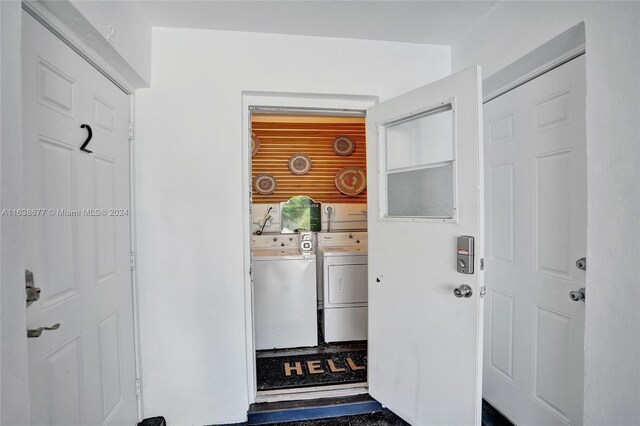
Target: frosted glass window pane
<point>421,193</point>
<point>420,141</point>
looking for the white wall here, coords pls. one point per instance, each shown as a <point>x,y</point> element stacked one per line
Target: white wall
<point>190,194</point>
<point>127,53</point>
<point>14,397</point>
<point>132,32</point>
<point>612,340</point>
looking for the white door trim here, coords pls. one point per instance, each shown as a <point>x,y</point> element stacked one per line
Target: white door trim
<point>276,101</point>
<point>75,32</point>
<point>133,245</point>
<point>559,50</point>
<point>78,45</point>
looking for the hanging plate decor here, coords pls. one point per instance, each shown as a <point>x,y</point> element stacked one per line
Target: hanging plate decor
<point>264,184</point>
<point>343,146</point>
<point>351,180</point>
<point>299,164</point>
<point>255,144</point>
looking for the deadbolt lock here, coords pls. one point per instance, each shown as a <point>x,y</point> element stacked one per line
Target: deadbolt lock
<point>33,293</point>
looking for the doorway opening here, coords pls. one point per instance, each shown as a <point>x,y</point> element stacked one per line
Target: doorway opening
<point>308,207</point>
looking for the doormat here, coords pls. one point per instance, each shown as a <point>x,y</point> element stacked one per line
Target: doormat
<point>297,371</point>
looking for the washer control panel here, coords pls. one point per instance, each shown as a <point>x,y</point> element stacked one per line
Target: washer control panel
<point>276,241</point>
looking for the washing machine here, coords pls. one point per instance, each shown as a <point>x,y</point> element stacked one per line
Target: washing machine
<point>342,272</point>
<point>284,291</point>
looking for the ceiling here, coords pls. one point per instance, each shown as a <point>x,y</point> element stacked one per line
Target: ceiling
<point>430,22</point>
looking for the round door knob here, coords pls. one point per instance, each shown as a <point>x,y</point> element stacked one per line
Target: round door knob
<point>578,295</point>
<point>463,291</point>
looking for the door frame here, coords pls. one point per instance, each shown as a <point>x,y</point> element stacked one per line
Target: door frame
<point>282,102</point>
<point>78,43</point>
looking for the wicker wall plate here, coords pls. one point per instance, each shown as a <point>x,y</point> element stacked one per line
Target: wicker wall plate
<point>351,180</point>
<point>255,144</point>
<point>299,164</point>
<point>343,146</point>
<point>264,184</point>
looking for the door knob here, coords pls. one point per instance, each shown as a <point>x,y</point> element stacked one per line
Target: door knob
<point>582,263</point>
<point>36,332</point>
<point>463,291</point>
<point>578,295</point>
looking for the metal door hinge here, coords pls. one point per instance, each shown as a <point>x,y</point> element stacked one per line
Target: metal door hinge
<point>131,131</point>
<point>483,291</point>
<point>132,260</point>
<point>138,387</point>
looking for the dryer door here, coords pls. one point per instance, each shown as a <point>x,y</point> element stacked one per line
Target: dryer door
<point>347,284</point>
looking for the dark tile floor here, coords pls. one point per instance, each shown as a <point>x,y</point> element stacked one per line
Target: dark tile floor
<point>490,417</point>
<point>380,418</point>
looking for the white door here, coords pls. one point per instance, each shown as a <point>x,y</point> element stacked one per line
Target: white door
<point>425,189</point>
<point>82,373</point>
<point>536,230</point>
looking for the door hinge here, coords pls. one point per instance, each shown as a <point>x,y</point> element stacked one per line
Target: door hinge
<point>131,131</point>
<point>132,260</point>
<point>138,386</point>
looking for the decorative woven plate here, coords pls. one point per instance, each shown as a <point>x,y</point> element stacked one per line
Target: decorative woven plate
<point>264,184</point>
<point>342,145</point>
<point>299,164</point>
<point>255,144</point>
<point>351,180</point>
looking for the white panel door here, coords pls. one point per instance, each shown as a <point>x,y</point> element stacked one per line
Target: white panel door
<point>536,230</point>
<point>425,189</point>
<point>77,245</point>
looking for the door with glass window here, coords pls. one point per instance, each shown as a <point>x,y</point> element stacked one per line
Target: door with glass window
<point>425,186</point>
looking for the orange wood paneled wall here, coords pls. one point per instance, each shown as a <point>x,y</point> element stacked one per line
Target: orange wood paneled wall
<point>281,136</point>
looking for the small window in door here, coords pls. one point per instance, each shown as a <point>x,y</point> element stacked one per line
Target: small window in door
<point>418,173</point>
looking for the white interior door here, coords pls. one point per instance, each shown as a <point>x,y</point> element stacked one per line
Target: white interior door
<point>425,189</point>
<point>536,230</point>
<point>82,373</point>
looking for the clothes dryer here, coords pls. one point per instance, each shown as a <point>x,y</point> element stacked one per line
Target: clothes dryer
<point>342,270</point>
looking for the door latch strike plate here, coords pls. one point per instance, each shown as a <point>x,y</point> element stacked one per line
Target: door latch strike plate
<point>482,263</point>
<point>483,291</point>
